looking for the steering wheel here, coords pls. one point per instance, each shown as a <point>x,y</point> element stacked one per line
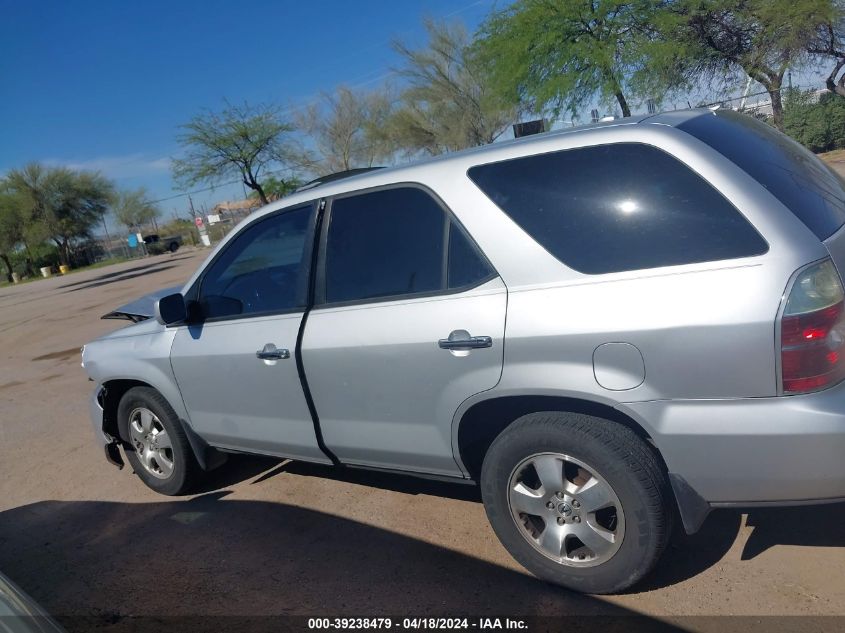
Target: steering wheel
<point>263,290</point>
<point>244,289</point>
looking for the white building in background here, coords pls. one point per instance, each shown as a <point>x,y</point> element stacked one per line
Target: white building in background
<point>763,105</point>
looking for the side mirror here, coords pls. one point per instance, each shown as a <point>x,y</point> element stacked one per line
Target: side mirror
<point>171,309</point>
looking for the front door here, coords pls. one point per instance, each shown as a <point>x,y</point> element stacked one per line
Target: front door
<point>409,322</point>
<point>235,364</point>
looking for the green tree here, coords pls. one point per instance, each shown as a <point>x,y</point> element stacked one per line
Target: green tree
<point>11,228</point>
<point>761,38</point>
<point>562,54</point>
<point>447,104</point>
<point>241,141</point>
<point>133,210</point>
<point>346,129</point>
<point>59,204</point>
<point>819,124</point>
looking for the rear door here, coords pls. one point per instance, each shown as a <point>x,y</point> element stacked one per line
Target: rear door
<point>409,322</point>
<point>235,365</point>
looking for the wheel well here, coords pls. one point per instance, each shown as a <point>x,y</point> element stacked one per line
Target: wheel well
<point>483,422</point>
<point>110,399</point>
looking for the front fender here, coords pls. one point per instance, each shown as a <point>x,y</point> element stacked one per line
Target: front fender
<point>143,358</point>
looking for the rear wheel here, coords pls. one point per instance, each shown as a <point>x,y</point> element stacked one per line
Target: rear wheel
<point>579,501</point>
<point>157,447</point>
<point>173,247</point>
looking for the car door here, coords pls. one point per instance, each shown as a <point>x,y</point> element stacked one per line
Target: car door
<point>408,323</point>
<point>235,363</point>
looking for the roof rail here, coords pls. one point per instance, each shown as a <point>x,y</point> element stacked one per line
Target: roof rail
<point>340,175</point>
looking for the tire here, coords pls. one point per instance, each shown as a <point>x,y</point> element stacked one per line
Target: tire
<point>628,533</point>
<point>173,247</point>
<point>143,416</point>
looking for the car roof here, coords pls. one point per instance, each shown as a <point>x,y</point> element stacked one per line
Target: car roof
<point>335,184</point>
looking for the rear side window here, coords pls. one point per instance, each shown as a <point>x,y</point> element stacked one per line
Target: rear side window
<point>794,175</point>
<point>393,243</point>
<point>466,267</point>
<point>613,208</point>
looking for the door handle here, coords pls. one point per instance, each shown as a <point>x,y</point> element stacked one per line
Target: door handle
<point>461,340</point>
<point>271,352</point>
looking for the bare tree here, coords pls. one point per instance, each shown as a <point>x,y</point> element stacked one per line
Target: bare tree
<point>830,42</point>
<point>447,104</point>
<point>346,129</point>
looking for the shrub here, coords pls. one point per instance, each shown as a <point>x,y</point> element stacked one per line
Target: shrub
<point>818,125</point>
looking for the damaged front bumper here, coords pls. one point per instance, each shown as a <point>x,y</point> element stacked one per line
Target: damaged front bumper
<point>110,444</point>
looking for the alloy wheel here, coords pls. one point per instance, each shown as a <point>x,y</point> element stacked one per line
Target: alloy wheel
<point>566,510</point>
<point>151,442</point>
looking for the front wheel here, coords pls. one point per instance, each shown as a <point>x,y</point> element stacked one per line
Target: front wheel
<point>579,501</point>
<point>156,445</point>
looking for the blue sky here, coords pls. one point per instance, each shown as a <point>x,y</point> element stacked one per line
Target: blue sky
<point>105,84</point>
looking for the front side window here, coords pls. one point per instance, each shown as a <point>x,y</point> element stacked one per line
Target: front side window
<point>618,207</point>
<point>261,271</point>
<point>396,242</point>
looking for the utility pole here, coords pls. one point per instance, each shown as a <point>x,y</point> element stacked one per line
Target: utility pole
<point>204,238</point>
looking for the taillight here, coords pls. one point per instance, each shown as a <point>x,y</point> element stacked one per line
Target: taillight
<point>813,331</point>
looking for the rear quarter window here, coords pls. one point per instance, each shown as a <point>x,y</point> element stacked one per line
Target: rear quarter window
<point>792,174</point>
<point>618,207</point>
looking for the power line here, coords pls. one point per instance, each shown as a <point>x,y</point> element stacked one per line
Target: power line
<point>213,187</point>
<point>756,94</point>
<point>356,83</point>
<point>286,169</point>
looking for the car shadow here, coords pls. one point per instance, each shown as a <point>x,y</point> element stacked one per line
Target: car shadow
<point>396,482</point>
<point>688,555</point>
<point>240,468</point>
<point>136,566</point>
<point>685,557</point>
<point>820,526</point>
<point>111,275</point>
<point>130,274</point>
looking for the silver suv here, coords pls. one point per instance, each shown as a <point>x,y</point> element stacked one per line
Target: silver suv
<point>605,328</point>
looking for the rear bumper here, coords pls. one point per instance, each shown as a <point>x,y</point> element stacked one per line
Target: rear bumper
<point>775,451</point>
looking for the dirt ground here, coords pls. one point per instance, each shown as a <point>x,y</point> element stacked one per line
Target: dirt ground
<point>269,537</point>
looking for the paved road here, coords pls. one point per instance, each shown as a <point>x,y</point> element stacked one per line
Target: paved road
<point>273,537</point>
